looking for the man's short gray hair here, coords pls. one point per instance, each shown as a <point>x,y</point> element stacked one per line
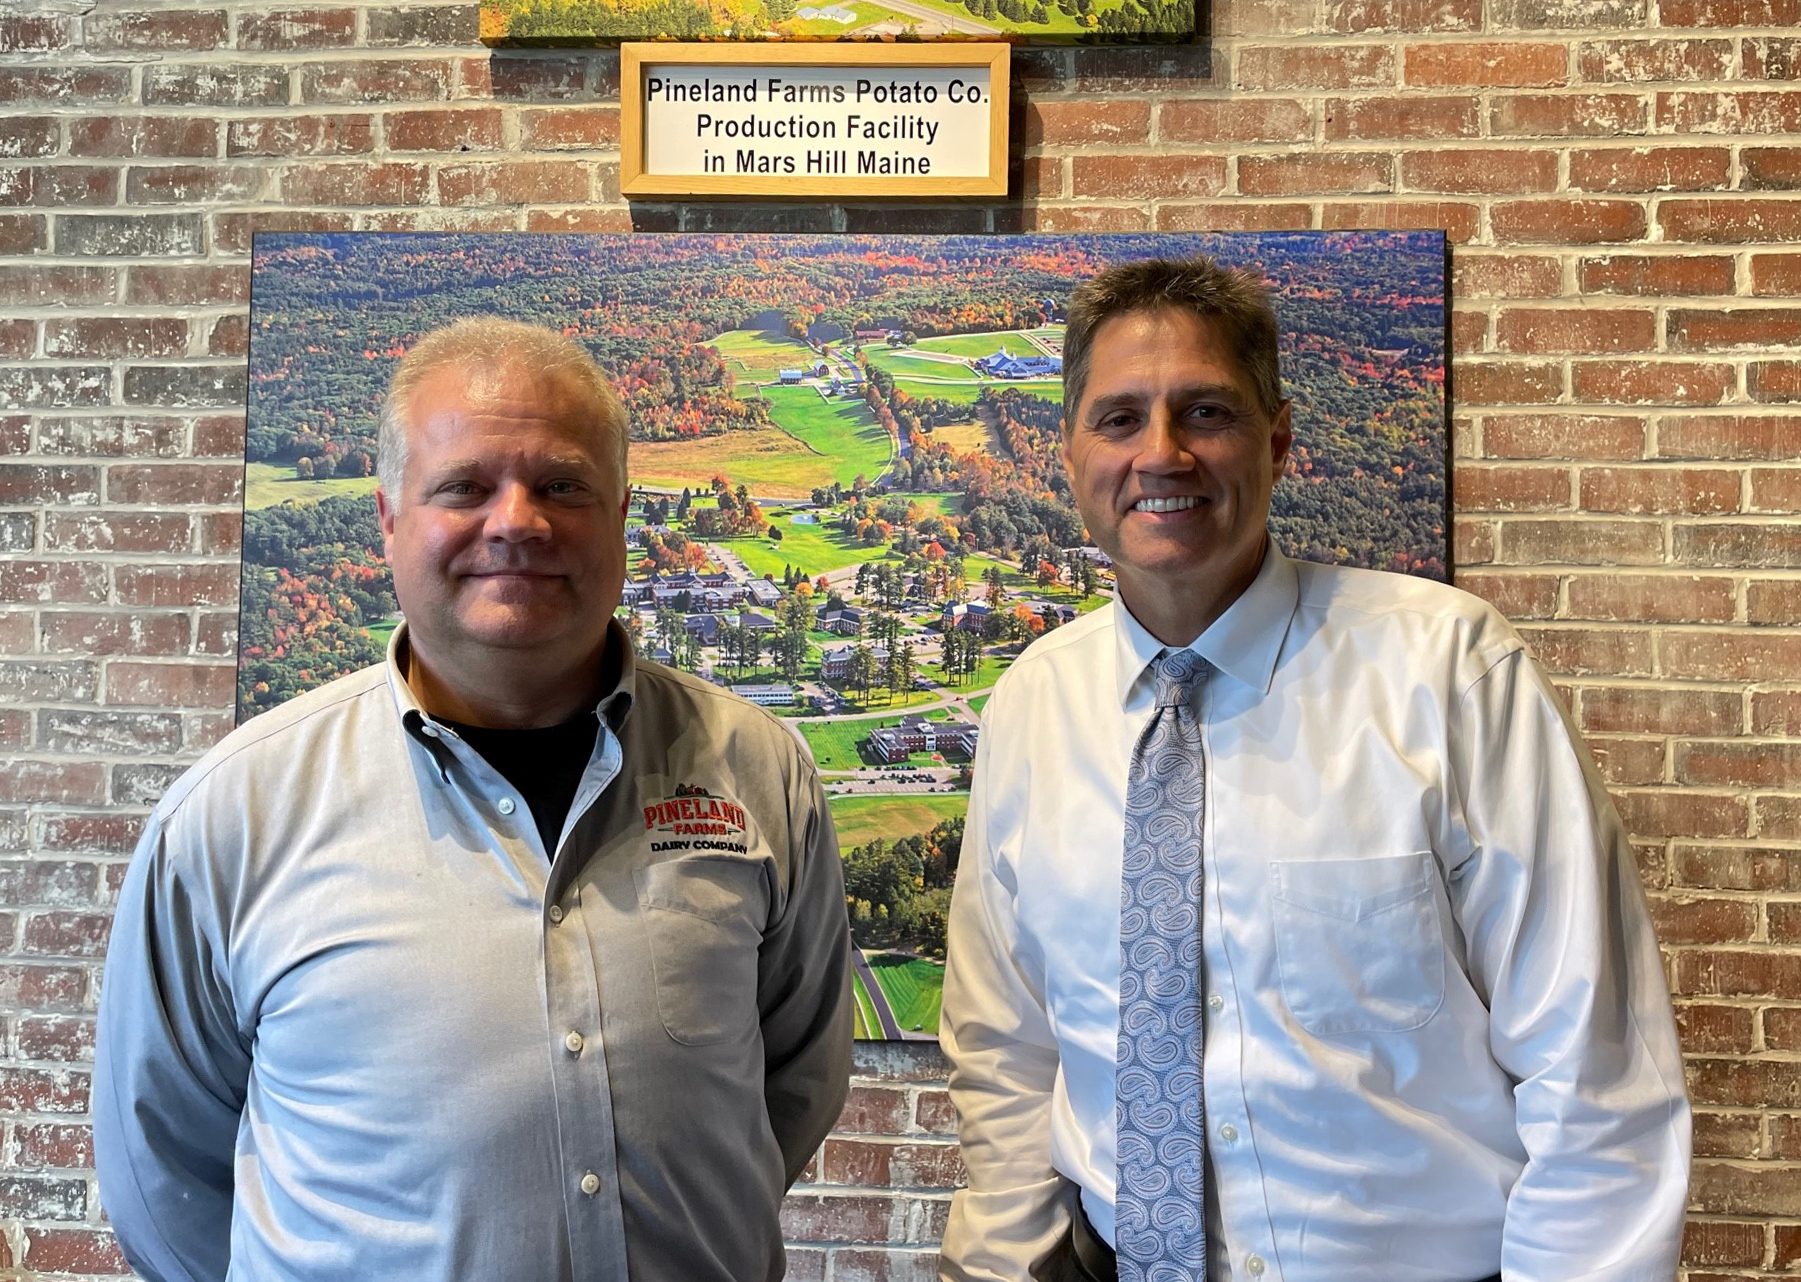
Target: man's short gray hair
<point>489,343</point>
<point>1234,299</point>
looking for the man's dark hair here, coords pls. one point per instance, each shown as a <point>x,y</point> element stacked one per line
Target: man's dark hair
<point>1234,299</point>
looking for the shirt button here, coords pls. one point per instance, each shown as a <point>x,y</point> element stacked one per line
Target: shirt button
<point>1216,1002</point>
<point>506,806</point>
<point>429,731</point>
<point>1228,1132</point>
<point>556,912</point>
<point>573,1042</point>
<point>1254,1266</point>
<point>591,1186</point>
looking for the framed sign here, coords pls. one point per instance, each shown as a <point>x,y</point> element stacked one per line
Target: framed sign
<point>814,120</point>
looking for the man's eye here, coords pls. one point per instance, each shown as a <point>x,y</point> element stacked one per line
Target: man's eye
<point>565,488</point>
<point>459,489</point>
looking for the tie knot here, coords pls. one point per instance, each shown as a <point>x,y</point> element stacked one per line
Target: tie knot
<point>1176,674</point>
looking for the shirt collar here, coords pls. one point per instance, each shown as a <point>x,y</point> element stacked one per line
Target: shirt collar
<point>612,708</point>
<point>1243,642</point>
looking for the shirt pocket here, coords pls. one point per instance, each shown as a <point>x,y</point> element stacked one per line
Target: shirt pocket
<point>705,921</point>
<point>1358,944</point>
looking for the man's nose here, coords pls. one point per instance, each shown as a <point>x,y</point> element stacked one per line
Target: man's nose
<point>1161,446</point>
<point>516,516</point>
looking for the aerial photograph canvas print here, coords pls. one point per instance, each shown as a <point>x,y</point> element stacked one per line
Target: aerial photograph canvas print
<point>847,502</point>
<point>577,22</point>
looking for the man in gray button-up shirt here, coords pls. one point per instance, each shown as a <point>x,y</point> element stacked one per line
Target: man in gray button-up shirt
<point>399,988</point>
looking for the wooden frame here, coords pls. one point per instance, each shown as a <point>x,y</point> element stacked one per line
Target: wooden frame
<point>635,60</point>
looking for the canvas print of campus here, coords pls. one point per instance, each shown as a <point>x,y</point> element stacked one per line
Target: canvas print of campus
<point>848,505</point>
<point>554,22</point>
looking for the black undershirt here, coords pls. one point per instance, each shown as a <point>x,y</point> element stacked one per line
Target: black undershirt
<point>545,765</point>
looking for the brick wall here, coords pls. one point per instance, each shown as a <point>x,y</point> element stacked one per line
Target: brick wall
<point>1620,180</point>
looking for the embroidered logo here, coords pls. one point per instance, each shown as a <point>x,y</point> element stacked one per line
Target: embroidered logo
<point>695,819</point>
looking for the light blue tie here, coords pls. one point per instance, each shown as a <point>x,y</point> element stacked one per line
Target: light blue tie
<point>1160,1225</point>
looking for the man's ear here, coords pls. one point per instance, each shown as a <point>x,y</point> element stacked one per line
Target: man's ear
<point>1281,437</point>
<point>384,514</point>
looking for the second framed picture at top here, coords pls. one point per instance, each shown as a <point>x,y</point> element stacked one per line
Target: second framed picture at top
<point>589,22</point>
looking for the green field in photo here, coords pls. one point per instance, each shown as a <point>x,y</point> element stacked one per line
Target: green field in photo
<point>843,430</point>
<point>758,356</point>
<point>915,990</point>
<point>270,484</point>
<point>865,1024</point>
<point>975,346</point>
<point>769,461</point>
<point>862,817</point>
<point>812,549</point>
<point>834,743</point>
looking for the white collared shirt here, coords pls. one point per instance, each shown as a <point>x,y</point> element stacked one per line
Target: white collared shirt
<point>1438,1038</point>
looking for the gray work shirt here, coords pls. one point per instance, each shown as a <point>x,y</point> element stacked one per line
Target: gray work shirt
<point>357,1025</point>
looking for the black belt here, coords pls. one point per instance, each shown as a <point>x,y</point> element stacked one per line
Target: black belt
<point>1094,1258</point>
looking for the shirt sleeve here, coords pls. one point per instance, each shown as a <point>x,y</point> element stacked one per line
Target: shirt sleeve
<point>1561,946</point>
<point>1003,1071</point>
<point>170,1075</point>
<point>803,987</point>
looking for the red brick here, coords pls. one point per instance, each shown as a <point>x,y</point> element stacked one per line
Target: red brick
<point>1512,489</point>
<point>1776,275</point>
<point>159,30</point>
<point>1660,711</point>
<point>108,632</point>
<point>41,988</point>
<point>458,129</point>
<point>1728,436</point>
<point>1746,1083</point>
<point>29,138</point>
<point>1651,598</point>
<point>586,127</point>
<point>1264,17</point>
<point>1776,712</point>
<point>1707,1027</point>
<point>358,184</point>
<point>61,1039</point>
<point>84,1251</point>
<point>1652,382</point>
<point>1330,173</point>
<point>63,783</point>
<point>1739,867</point>
<point>1770,58</point>
<point>57,1146</point>
<point>859,1219</point>
<point>1582,542</point>
<point>243,84</point>
<point>1775,490</point>
<point>382,80</point>
<point>59,934</point>
<point>1743,328</point>
<point>1287,69</point>
<point>1655,274</point>
<point>1412,118</point>
<point>1544,330</point>
<point>1235,215</point>
<point>1567,222</point>
<point>105,732</point>
<point>51,582</point>
<point>1508,382</point>
<point>1054,122</point>
<point>1739,112</point>
<point>1469,333</point>
<point>58,185</point>
<point>1651,169</point>
<point>548,79</point>
<point>935,1114</point>
<point>1640,490</point>
<point>1725,1135</point>
<point>434,219</point>
<point>134,136</point>
<point>1731,656</point>
<point>1576,652</point>
<point>59,86</point>
<point>1518,596</point>
<point>1083,218</point>
<point>1785,928</point>
<point>1459,221</point>
<point>1628,763</point>
<point>1774,382</point>
<point>1573,436</point>
<point>232,232</point>
<point>874,1110</point>
<point>1732,545</point>
<point>1684,919</point>
<point>1723,1243</point>
<point>1487,64</point>
<point>18,340</point>
<point>188,284</point>
<point>23,233</point>
<point>35,286</point>
<point>33,33</point>
<point>291,30</point>
<point>176,585</point>
<point>515,182</point>
<point>169,685</point>
<point>1479,170</point>
<point>1737,763</point>
<point>448,24</point>
<point>1730,13</point>
<point>172,483</point>
<point>1660,813</point>
<point>1148,177</point>
<point>1770,168</point>
<point>229,336</point>
<point>1641,61</point>
<point>1569,115</point>
<point>335,135</point>
<point>114,531</point>
<point>1403,15</point>
<point>113,336</point>
<point>1215,121</point>
<point>874,1265</point>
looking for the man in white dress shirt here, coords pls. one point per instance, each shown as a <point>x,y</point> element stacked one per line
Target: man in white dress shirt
<point>1438,1044</point>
